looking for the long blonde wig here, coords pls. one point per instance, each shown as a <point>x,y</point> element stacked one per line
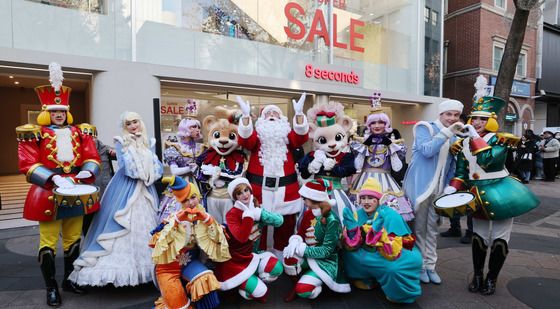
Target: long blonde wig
<point>129,116</point>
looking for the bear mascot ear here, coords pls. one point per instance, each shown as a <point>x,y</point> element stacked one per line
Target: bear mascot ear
<point>345,122</point>
<point>208,121</point>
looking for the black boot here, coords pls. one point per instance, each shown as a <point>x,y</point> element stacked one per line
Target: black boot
<point>69,257</point>
<point>498,256</point>
<point>48,269</point>
<point>478,257</point>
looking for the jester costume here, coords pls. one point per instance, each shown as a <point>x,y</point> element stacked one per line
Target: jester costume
<point>500,197</point>
<point>177,248</point>
<point>380,247</point>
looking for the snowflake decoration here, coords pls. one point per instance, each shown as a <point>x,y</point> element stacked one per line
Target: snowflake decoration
<point>184,258</point>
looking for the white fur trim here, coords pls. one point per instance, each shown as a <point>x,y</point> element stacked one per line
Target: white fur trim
<point>333,285</point>
<point>269,108</point>
<point>234,183</point>
<point>64,151</point>
<point>306,279</point>
<point>450,105</point>
<point>238,279</point>
<point>245,131</point>
<point>442,158</point>
<point>58,107</point>
<point>301,129</point>
<point>315,195</point>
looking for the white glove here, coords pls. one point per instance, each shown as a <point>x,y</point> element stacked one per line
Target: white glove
<point>315,166</point>
<point>329,164</point>
<point>472,131</point>
<point>298,106</point>
<point>449,190</point>
<point>84,175</point>
<point>253,212</point>
<point>62,182</point>
<point>290,249</point>
<point>320,155</point>
<point>245,107</point>
<point>175,170</point>
<point>210,170</point>
<point>456,128</point>
<point>300,249</point>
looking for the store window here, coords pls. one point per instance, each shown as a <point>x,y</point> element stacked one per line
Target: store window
<point>90,6</point>
<point>179,103</point>
<point>432,49</point>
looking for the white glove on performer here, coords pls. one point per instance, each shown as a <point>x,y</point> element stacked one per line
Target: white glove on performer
<point>472,131</point>
<point>293,243</point>
<point>329,164</point>
<point>298,106</point>
<point>244,106</point>
<point>456,128</point>
<point>84,175</point>
<point>449,190</point>
<point>177,171</point>
<point>62,182</point>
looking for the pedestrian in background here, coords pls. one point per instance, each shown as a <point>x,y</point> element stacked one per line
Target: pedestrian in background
<point>524,158</point>
<point>549,148</point>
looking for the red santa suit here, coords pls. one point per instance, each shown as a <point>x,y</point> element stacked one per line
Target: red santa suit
<point>276,189</point>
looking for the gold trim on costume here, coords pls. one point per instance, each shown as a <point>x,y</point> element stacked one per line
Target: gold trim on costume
<point>177,146</point>
<point>457,146</point>
<point>474,153</point>
<point>31,170</point>
<point>509,139</point>
<point>88,129</point>
<point>93,161</point>
<point>28,132</point>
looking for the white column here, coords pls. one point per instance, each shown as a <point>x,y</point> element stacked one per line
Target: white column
<point>119,90</point>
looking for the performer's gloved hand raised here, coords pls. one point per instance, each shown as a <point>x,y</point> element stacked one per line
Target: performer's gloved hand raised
<point>472,131</point>
<point>456,128</point>
<point>62,182</point>
<point>252,211</point>
<point>298,106</point>
<point>244,106</point>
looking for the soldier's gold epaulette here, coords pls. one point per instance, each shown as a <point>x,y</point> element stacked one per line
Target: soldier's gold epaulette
<point>457,146</point>
<point>28,132</point>
<point>508,139</point>
<point>88,129</point>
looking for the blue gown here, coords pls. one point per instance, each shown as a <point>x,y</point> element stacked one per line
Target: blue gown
<point>115,248</point>
<point>399,278</point>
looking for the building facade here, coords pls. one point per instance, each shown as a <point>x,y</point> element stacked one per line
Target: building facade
<point>475,34</point>
<point>547,107</point>
<point>125,55</point>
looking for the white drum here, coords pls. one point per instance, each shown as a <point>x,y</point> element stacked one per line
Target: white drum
<point>458,203</point>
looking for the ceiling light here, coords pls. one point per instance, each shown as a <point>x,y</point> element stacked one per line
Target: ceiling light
<point>371,14</point>
<point>11,76</point>
<point>16,82</point>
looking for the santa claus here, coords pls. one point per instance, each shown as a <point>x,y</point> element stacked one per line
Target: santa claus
<point>271,171</point>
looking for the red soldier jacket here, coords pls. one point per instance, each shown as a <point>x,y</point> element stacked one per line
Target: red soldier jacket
<point>38,154</point>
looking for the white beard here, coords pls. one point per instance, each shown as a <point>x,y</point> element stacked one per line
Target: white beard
<point>273,136</point>
<point>64,145</point>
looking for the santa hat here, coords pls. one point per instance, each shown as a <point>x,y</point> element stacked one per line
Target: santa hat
<point>450,105</point>
<point>181,189</point>
<point>270,108</point>
<point>371,187</point>
<point>317,190</point>
<point>236,182</point>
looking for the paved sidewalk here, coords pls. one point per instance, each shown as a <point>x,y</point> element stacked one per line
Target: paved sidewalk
<point>530,277</point>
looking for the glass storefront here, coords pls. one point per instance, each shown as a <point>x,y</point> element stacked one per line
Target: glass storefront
<point>381,39</point>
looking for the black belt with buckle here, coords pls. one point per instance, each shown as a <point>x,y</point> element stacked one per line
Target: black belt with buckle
<point>73,170</point>
<point>272,182</point>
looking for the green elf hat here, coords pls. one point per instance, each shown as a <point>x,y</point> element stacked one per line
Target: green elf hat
<point>326,119</point>
<point>487,106</point>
